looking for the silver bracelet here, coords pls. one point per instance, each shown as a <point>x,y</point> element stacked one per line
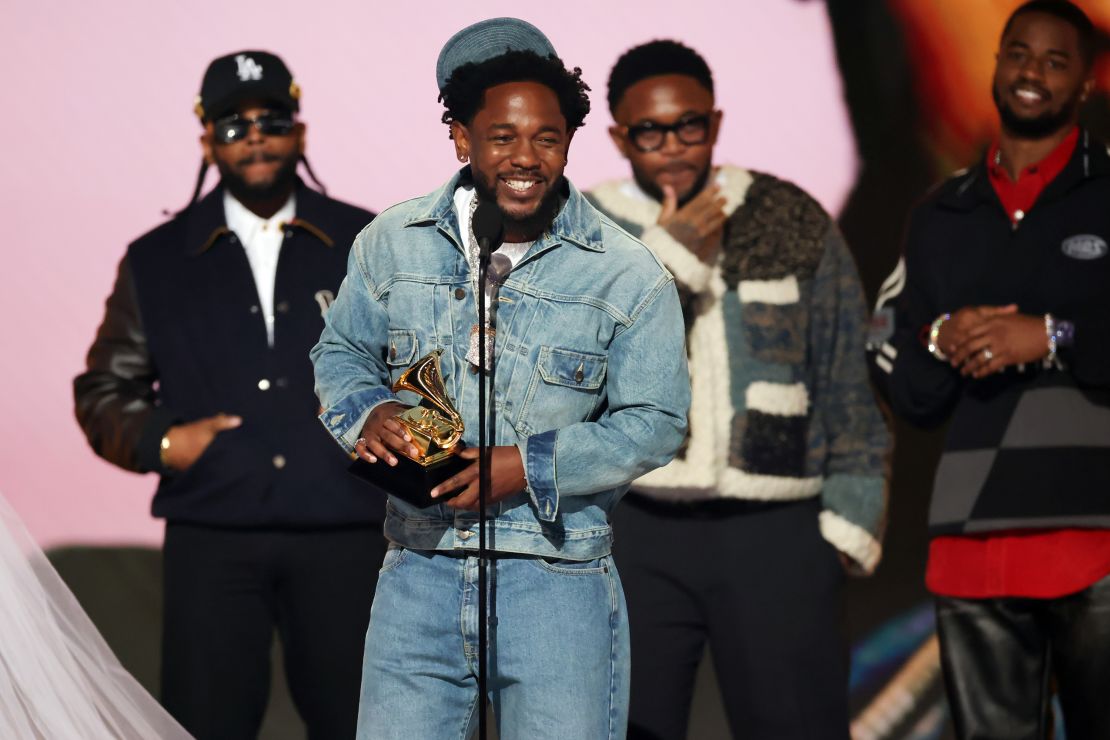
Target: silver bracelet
<point>1050,333</point>
<point>934,334</point>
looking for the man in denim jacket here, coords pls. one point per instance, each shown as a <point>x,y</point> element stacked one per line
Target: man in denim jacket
<point>591,393</point>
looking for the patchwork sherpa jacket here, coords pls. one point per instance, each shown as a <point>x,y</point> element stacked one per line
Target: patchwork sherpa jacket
<point>781,407</point>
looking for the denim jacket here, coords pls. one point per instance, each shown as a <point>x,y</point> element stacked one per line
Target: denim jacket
<point>591,381</point>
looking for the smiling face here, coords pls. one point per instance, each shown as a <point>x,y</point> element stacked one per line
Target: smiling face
<point>665,100</point>
<point>1040,80</point>
<point>258,167</point>
<point>517,144</point>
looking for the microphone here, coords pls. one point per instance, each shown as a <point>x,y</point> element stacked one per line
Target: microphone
<point>499,268</point>
<point>488,229</point>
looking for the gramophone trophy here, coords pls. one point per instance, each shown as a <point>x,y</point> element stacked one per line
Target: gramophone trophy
<point>436,430</point>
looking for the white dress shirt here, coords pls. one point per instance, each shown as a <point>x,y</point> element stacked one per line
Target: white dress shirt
<point>261,239</point>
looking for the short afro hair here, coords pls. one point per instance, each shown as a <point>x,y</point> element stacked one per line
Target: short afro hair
<point>661,57</point>
<point>1071,14</point>
<point>465,92</point>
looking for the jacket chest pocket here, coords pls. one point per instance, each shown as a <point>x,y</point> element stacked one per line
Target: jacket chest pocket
<point>400,350</point>
<point>565,387</point>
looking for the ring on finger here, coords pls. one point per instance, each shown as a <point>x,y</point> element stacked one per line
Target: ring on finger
<point>360,441</point>
<point>987,354</point>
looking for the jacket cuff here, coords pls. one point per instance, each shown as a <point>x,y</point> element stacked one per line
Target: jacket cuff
<point>852,540</point>
<point>538,454</point>
<point>683,264</point>
<point>148,450</point>
<point>344,420</point>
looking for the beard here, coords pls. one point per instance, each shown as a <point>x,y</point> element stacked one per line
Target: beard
<point>1041,126</point>
<point>281,183</point>
<point>648,186</point>
<point>536,222</point>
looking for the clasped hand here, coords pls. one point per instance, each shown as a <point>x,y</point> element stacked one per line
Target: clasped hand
<point>382,436</point>
<point>983,340</point>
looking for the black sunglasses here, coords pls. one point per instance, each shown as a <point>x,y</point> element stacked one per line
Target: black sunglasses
<point>236,128</point>
<point>649,135</point>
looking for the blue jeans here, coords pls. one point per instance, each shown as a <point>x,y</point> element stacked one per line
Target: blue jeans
<point>558,660</point>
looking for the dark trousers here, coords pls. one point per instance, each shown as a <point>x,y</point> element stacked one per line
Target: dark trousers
<point>1001,658</point>
<point>225,593</point>
<point>759,583</point>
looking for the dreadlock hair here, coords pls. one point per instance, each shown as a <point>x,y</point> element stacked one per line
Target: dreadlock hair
<point>1070,14</point>
<point>660,57</point>
<point>465,92</point>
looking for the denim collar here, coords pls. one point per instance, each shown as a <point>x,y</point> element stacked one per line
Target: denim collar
<point>577,222</point>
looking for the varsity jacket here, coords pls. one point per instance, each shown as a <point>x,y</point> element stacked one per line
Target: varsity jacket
<point>1028,448</point>
<point>184,338</point>
<point>781,408</point>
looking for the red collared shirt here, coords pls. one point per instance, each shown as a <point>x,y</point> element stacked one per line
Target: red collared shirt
<point>1042,564</point>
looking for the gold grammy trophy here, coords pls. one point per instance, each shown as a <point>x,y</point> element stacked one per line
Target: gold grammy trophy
<point>436,429</point>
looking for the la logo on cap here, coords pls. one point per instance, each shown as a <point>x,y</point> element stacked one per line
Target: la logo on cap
<point>248,69</point>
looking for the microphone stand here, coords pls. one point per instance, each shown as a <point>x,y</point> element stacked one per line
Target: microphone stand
<point>488,227</point>
<point>483,482</point>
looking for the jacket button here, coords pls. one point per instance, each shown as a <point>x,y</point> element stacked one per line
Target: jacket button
<point>473,369</point>
<point>393,353</point>
<point>264,385</point>
<point>283,307</point>
<point>255,309</point>
<point>460,293</point>
<point>279,461</point>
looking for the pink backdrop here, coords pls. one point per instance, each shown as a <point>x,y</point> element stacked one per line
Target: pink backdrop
<point>101,138</point>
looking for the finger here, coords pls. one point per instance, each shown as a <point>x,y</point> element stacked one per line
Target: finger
<point>362,452</point>
<point>670,204</point>
<point>977,360</point>
<point>470,453</point>
<point>967,351</point>
<point>467,500</point>
<point>988,311</point>
<point>397,443</point>
<point>378,450</point>
<point>455,482</point>
<point>391,424</point>
<point>711,225</point>
<point>703,206</point>
<point>988,366</point>
<point>220,422</point>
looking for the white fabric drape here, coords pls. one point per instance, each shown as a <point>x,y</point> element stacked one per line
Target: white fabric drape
<point>58,678</point>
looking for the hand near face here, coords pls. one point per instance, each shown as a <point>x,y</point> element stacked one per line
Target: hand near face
<point>506,478</point>
<point>187,442</point>
<point>698,224</point>
<point>999,341</point>
<point>382,435</point>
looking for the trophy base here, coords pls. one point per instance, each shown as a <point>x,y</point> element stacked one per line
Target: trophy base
<point>408,480</point>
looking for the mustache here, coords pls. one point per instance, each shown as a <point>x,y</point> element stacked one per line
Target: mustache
<point>256,157</point>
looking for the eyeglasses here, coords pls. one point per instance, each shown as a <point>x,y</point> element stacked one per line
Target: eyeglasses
<point>650,136</point>
<point>236,128</point>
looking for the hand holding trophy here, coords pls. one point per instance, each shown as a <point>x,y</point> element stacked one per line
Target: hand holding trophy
<point>434,429</point>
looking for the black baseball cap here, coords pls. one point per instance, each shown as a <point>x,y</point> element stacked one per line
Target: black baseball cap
<point>245,75</point>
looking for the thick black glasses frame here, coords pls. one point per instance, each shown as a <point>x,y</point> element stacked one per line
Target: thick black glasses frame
<point>691,130</point>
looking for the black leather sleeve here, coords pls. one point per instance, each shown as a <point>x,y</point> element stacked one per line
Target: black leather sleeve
<point>116,396</point>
